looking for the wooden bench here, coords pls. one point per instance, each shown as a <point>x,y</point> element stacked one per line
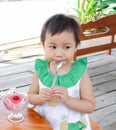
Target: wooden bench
<point>103,32</point>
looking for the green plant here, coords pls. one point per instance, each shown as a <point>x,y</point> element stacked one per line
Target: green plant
<point>90,10</point>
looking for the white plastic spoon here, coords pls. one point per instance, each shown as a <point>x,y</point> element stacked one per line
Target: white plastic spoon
<point>58,66</point>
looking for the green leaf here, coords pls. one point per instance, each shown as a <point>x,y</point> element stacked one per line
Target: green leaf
<point>78,4</point>
<point>94,9</point>
<point>103,6</point>
<point>114,8</point>
<point>109,1</point>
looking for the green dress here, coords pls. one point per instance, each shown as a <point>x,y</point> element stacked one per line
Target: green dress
<point>60,116</point>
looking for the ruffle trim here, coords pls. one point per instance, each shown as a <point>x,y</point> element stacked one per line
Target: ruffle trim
<point>67,80</point>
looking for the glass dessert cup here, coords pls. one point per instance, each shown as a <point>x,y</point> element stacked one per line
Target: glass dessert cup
<point>15,102</point>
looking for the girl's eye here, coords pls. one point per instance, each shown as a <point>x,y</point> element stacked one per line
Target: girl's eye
<point>67,47</point>
<point>53,47</point>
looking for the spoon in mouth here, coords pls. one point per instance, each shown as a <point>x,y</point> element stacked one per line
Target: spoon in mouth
<point>58,66</point>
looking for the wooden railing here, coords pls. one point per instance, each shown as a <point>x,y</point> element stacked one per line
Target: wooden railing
<point>103,32</point>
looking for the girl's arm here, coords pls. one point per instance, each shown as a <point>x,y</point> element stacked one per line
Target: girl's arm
<point>35,96</point>
<point>86,103</point>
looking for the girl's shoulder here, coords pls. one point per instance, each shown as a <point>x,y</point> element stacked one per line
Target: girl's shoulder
<point>41,62</point>
<point>79,65</point>
<point>80,61</point>
<point>41,68</point>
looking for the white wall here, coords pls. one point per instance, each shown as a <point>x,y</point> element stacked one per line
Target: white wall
<point>23,19</point>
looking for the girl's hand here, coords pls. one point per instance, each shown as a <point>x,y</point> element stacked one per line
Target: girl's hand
<point>45,94</point>
<point>61,92</point>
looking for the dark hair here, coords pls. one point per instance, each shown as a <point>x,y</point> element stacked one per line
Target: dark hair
<point>59,23</point>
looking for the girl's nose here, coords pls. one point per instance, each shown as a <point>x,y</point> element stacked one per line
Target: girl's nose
<point>59,53</point>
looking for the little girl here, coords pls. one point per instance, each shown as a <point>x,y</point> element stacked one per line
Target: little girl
<point>67,103</point>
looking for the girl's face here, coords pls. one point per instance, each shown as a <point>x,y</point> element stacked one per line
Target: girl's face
<point>60,47</point>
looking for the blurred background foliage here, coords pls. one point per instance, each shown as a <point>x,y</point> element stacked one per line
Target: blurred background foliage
<point>90,10</point>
